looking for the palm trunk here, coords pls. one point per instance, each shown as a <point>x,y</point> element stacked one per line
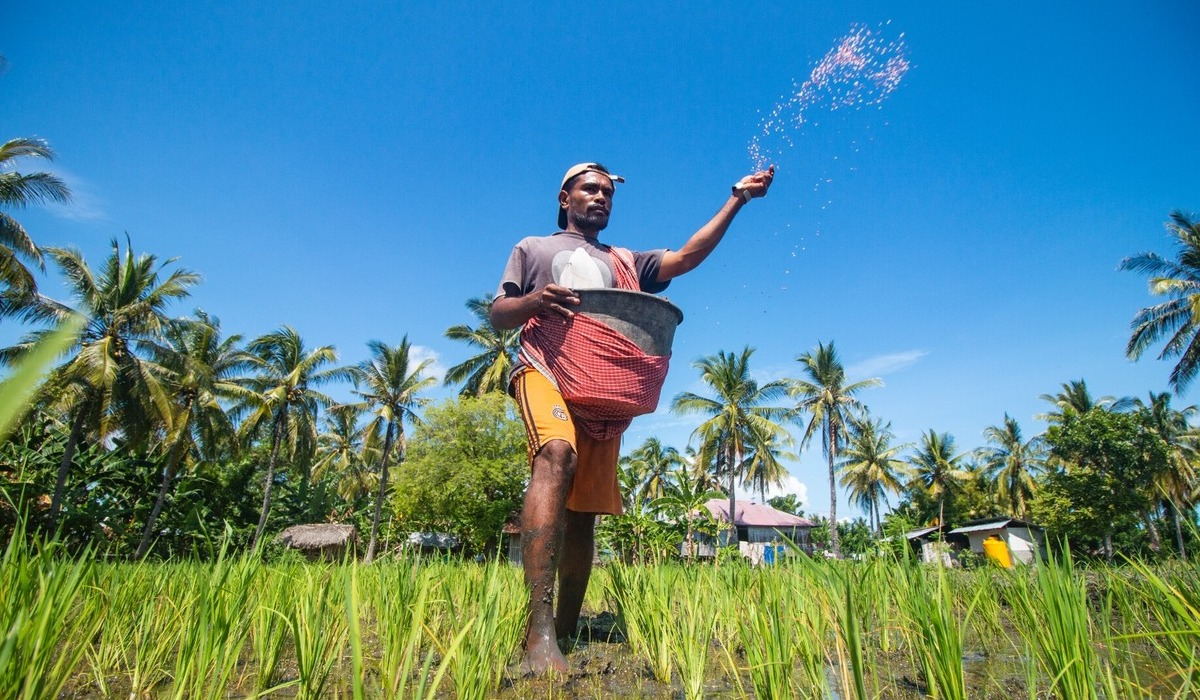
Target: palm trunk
<point>276,441</point>
<point>383,480</point>
<point>1152,530</point>
<point>691,542</point>
<point>64,467</point>
<point>173,458</point>
<point>1178,530</point>
<point>733,457</point>
<point>833,533</point>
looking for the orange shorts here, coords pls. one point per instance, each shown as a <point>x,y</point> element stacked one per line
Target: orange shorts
<point>544,411</point>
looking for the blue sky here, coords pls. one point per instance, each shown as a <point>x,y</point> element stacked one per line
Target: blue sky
<point>359,170</point>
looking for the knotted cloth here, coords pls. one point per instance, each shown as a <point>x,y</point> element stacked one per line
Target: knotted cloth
<point>605,378</point>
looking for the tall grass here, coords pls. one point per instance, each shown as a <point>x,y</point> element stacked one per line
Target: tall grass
<point>643,596</point>
<point>269,628</point>
<point>770,637</point>
<point>318,627</point>
<point>42,610</point>
<point>1053,613</point>
<point>691,631</point>
<point>934,632</point>
<point>74,625</point>
<point>213,623</point>
<point>493,603</point>
<point>1171,599</point>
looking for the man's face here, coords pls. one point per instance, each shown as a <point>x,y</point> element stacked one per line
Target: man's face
<point>589,202</point>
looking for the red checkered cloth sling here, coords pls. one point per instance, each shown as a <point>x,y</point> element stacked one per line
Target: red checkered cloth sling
<point>605,378</point>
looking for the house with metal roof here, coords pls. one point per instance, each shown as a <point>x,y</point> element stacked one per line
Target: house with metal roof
<point>759,528</point>
<point>1024,542</point>
<point>935,544</point>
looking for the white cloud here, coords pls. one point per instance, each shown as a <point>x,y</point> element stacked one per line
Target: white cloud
<point>420,353</point>
<point>881,365</point>
<point>85,204</point>
<point>789,485</point>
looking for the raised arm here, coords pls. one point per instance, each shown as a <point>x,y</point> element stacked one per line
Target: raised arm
<point>702,242</point>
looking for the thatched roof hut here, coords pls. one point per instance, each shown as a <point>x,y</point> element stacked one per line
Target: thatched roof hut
<point>329,541</point>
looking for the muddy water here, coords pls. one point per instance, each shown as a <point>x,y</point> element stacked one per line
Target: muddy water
<point>603,667</point>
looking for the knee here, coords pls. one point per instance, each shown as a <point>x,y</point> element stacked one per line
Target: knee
<point>556,459</point>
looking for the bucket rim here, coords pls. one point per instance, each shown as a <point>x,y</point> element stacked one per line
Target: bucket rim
<point>630,293</point>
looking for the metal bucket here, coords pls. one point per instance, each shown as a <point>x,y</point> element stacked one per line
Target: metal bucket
<point>645,319</point>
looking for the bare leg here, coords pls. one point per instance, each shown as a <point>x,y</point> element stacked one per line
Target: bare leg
<point>543,520</point>
<point>574,570</point>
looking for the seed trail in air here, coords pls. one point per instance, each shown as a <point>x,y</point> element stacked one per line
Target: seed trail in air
<point>862,70</point>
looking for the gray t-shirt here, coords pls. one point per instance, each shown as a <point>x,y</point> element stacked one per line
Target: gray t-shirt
<point>571,260</point>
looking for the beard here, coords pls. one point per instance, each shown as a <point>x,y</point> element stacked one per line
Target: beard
<point>592,220</point>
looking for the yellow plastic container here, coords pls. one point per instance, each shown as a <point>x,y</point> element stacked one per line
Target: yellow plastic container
<point>995,549</point>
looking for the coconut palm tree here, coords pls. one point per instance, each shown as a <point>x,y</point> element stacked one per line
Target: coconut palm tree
<point>829,401</point>
<point>390,382</point>
<point>762,465</point>
<point>936,469</point>
<point>1176,320</point>
<point>18,190</point>
<point>684,496</point>
<point>1075,398</point>
<point>653,462</point>
<point>281,396</point>
<point>344,451</point>
<point>870,467</point>
<point>739,413</point>
<point>199,370</point>
<point>487,371</point>
<point>707,464</point>
<point>629,479</point>
<point>1173,483</point>
<point>1015,462</point>
<point>104,386</point>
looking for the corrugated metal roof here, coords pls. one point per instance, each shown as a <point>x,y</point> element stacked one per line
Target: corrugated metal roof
<point>914,534</point>
<point>995,525</point>
<point>750,514</point>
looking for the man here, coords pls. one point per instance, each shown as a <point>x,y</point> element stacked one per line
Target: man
<point>574,461</point>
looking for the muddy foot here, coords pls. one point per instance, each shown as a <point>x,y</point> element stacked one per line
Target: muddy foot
<point>543,658</point>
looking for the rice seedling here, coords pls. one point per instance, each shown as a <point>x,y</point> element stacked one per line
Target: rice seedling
<point>106,657</point>
<point>643,596</point>
<point>401,603</point>
<point>884,582</point>
<point>1125,620</point>
<point>1054,615</point>
<point>493,595</point>
<point>318,631</point>
<point>851,662</point>
<point>354,630</point>
<point>154,634</point>
<point>690,636</point>
<point>986,618</point>
<point>813,627</point>
<point>1172,601</point>
<point>769,638</point>
<point>934,632</point>
<point>213,622</point>
<point>42,610</point>
<point>269,635</point>
<point>804,628</point>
